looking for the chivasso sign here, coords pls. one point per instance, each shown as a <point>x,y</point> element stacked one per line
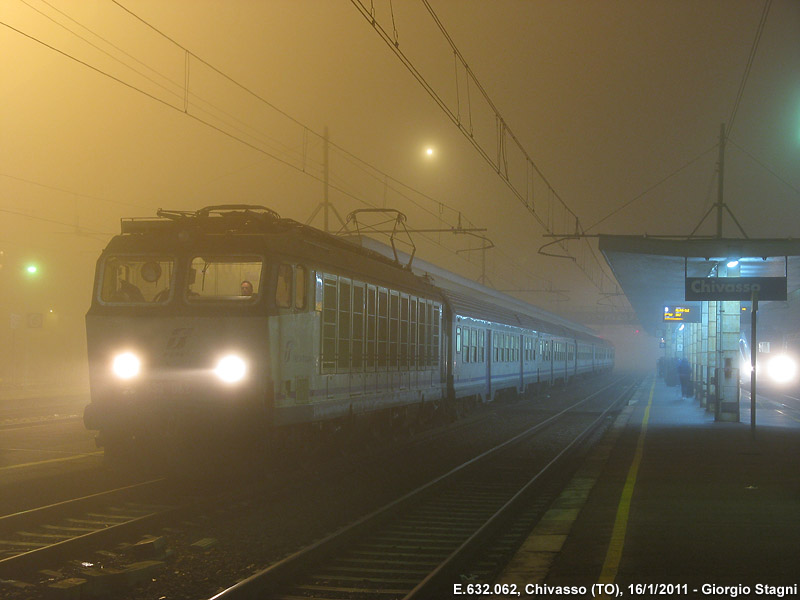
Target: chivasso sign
<point>735,288</point>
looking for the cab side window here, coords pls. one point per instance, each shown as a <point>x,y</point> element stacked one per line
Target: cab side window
<point>300,279</point>
<point>283,287</point>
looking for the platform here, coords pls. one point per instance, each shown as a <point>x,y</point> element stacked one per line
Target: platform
<point>672,497</point>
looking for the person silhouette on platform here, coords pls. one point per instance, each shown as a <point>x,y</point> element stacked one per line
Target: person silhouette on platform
<point>685,375</point>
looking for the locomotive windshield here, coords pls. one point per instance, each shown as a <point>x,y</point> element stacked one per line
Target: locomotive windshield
<point>136,279</point>
<point>221,278</point>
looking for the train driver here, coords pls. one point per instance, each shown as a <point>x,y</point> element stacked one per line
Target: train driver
<point>246,288</point>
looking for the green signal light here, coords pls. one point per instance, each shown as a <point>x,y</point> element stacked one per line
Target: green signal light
<point>32,269</point>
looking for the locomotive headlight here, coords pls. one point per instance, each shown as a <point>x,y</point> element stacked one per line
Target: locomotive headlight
<point>126,365</point>
<point>781,368</point>
<point>231,368</point>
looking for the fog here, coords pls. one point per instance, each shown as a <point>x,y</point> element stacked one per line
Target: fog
<point>114,109</point>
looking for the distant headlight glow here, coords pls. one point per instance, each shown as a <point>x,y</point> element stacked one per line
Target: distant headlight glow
<point>781,368</point>
<point>231,369</point>
<point>126,365</point>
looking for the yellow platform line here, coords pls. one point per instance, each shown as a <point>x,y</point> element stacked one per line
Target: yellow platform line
<point>51,460</point>
<point>614,554</point>
<point>534,559</point>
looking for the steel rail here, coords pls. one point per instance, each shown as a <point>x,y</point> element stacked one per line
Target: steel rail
<point>448,567</point>
<point>76,507</point>
<point>269,580</point>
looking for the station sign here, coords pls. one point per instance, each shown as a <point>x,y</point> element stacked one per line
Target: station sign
<point>682,314</point>
<point>735,288</point>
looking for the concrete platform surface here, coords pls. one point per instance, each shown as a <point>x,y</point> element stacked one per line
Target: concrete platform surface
<point>674,504</point>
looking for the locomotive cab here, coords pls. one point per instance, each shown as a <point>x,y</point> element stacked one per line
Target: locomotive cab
<point>177,333</point>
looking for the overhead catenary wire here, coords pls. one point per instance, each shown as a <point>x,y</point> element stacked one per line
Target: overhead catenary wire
<point>70,192</point>
<point>765,167</point>
<point>105,40</point>
<point>652,187</point>
<point>729,126</point>
<point>748,66</point>
<point>593,268</point>
<point>52,221</point>
<point>366,166</point>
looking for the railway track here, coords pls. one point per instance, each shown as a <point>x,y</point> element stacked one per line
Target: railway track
<point>33,538</point>
<point>411,547</point>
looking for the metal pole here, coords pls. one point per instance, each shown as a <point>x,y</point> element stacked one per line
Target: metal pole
<point>753,355</point>
<point>721,172</point>
<point>326,180</point>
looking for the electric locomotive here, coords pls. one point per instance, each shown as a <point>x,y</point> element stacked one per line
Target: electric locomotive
<point>235,323</point>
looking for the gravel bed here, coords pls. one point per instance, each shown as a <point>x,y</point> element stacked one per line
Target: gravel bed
<point>293,504</point>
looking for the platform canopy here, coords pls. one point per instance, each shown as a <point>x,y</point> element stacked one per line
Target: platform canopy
<point>652,270</point>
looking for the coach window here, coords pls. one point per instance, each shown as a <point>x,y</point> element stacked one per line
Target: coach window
<point>394,328</point>
<point>429,334</point>
<point>423,336</point>
<point>437,319</point>
<point>412,333</point>
<point>481,348</point>
<point>403,331</point>
<point>383,326</point>
<point>357,350</point>
<point>372,304</point>
<point>473,336</point>
<point>283,287</point>
<point>329,314</point>
<point>345,310</point>
<point>458,340</point>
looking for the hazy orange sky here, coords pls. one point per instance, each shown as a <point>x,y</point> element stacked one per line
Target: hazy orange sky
<point>107,114</point>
